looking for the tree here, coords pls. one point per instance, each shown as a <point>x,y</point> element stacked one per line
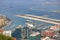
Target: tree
<point>3,37</point>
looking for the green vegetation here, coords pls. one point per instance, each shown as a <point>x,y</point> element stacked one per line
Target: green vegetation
<point>3,37</point>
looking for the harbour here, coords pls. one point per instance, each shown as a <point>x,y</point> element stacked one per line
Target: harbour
<point>29,20</point>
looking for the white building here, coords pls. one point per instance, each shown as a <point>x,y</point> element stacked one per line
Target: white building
<point>7,33</point>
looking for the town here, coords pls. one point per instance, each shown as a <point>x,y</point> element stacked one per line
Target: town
<point>31,30</point>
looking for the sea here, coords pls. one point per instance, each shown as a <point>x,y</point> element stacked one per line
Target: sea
<point>10,8</point>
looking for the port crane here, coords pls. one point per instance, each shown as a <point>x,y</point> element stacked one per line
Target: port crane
<point>39,18</point>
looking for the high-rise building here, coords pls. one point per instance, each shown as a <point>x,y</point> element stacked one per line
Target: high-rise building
<point>26,32</point>
<point>17,34</point>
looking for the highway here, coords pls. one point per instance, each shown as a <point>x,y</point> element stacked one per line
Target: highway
<point>39,18</point>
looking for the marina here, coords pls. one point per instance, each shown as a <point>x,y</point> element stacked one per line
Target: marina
<point>29,20</point>
<point>31,31</point>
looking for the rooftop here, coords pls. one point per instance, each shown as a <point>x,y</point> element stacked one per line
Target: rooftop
<point>35,34</point>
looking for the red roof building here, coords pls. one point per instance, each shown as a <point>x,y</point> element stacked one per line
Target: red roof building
<point>49,33</point>
<point>14,39</point>
<point>55,28</point>
<point>1,31</point>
